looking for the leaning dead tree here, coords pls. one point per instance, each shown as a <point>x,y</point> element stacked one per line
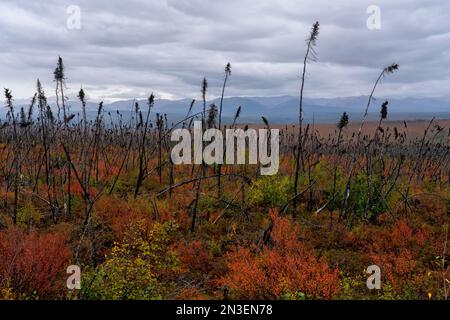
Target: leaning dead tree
<point>310,55</point>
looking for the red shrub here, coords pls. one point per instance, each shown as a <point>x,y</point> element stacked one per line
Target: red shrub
<point>194,257</point>
<point>33,263</point>
<point>287,267</point>
<point>397,251</point>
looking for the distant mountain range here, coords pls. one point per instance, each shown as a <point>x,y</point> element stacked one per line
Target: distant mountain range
<point>279,109</point>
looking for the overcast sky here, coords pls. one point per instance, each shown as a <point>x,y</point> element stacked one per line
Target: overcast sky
<point>127,49</point>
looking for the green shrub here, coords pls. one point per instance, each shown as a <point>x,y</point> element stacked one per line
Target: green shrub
<point>358,199</point>
<point>134,267</point>
<point>270,191</point>
<point>28,214</point>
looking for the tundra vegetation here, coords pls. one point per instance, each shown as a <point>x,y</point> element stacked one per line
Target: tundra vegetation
<point>104,194</point>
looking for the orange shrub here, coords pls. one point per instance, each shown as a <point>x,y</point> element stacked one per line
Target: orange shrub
<point>119,213</point>
<point>284,268</point>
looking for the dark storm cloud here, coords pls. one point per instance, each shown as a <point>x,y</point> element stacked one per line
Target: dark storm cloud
<point>127,49</point>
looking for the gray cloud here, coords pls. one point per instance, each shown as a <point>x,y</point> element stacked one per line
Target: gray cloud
<point>127,49</point>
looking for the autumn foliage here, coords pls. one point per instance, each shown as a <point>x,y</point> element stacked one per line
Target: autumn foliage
<point>104,193</point>
<point>33,264</point>
<point>285,267</point>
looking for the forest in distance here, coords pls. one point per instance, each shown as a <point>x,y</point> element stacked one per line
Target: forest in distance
<point>101,192</point>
